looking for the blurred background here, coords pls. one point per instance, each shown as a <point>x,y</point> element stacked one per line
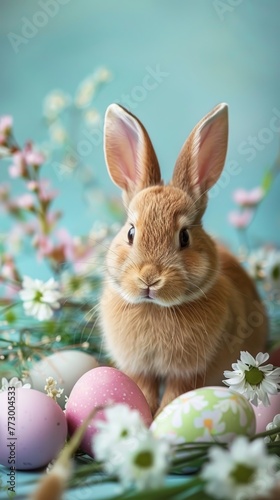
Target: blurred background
<point>169,62</point>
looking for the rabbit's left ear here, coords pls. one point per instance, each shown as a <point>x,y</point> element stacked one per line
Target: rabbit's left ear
<point>203,155</point>
<point>129,153</point>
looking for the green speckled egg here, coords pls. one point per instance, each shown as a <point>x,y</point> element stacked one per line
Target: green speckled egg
<point>206,414</point>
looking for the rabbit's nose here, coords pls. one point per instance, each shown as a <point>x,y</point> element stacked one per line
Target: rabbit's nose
<point>150,276</point>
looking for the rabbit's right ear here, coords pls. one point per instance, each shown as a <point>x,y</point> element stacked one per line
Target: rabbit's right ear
<point>129,154</point>
<point>202,157</point>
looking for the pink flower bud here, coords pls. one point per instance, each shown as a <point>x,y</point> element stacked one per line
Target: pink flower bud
<point>17,169</point>
<point>6,123</point>
<point>248,198</point>
<point>25,201</point>
<point>34,157</point>
<point>240,220</point>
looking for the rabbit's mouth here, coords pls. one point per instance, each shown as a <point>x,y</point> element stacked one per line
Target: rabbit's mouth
<point>149,294</point>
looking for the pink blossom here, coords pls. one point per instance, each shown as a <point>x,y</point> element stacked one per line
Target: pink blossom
<point>67,243</point>
<point>240,220</point>
<point>25,201</point>
<point>18,168</point>
<point>42,188</point>
<point>32,185</point>
<point>33,157</point>
<point>52,218</point>
<point>43,244</point>
<point>83,262</point>
<point>248,198</point>
<point>3,138</point>
<point>6,123</point>
<point>9,273</point>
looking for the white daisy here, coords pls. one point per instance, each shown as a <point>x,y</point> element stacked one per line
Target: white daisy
<point>241,471</point>
<point>129,450</point>
<point>39,298</point>
<point>273,425</point>
<point>145,462</point>
<point>121,424</point>
<point>13,382</point>
<point>252,380</point>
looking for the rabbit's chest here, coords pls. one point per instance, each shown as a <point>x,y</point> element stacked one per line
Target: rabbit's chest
<point>155,340</point>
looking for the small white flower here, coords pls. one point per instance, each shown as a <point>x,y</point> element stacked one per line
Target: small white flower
<point>129,450</point>
<point>241,471</point>
<point>255,263</point>
<point>272,269</point>
<point>121,424</point>
<point>39,298</point>
<point>273,425</point>
<point>92,117</point>
<point>13,382</point>
<point>252,380</point>
<point>145,462</point>
<point>103,75</point>
<point>85,92</point>
<point>54,103</point>
<point>52,391</point>
<point>74,286</point>
<point>58,133</point>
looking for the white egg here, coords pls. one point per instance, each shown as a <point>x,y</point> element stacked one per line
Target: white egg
<point>66,367</point>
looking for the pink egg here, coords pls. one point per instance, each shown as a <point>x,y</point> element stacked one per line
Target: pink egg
<point>265,414</point>
<point>101,386</point>
<point>33,429</point>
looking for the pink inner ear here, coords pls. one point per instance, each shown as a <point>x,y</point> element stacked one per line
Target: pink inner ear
<point>126,147</point>
<point>211,152</point>
<point>204,153</point>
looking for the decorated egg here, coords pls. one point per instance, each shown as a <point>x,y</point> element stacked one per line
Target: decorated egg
<point>265,414</point>
<point>205,414</point>
<point>66,367</point>
<point>33,429</point>
<point>101,386</point>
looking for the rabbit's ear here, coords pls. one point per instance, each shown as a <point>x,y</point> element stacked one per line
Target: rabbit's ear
<point>129,154</point>
<point>203,155</point>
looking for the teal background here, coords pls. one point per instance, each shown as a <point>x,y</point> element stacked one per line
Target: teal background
<point>210,51</point>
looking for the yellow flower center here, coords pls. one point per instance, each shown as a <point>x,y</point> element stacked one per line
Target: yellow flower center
<point>254,376</point>
<point>242,474</point>
<point>38,296</point>
<point>144,459</point>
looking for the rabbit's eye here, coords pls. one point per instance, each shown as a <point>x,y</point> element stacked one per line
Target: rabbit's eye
<point>184,238</point>
<point>130,235</point>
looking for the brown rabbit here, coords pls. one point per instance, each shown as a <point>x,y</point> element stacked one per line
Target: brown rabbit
<point>175,308</point>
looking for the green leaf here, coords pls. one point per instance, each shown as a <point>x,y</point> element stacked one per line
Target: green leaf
<point>267,181</point>
<point>190,488</point>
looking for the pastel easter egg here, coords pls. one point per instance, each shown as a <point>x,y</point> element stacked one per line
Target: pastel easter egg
<point>66,367</point>
<point>101,386</point>
<point>206,414</point>
<point>33,429</point>
<point>265,414</point>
